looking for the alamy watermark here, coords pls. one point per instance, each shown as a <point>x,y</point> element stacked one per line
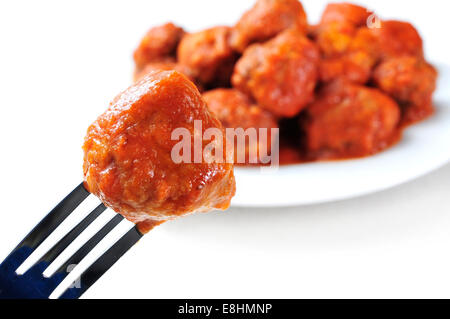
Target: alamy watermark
<point>239,146</point>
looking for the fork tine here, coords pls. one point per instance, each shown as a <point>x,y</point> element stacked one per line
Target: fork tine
<point>53,253</point>
<point>33,284</point>
<point>45,227</point>
<point>89,245</point>
<point>102,264</point>
<point>55,217</point>
<point>34,275</point>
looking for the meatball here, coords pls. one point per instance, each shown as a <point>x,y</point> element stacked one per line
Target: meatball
<point>396,38</point>
<point>266,19</point>
<point>351,53</point>
<point>412,82</point>
<point>366,40</point>
<point>235,110</point>
<point>280,74</point>
<point>127,153</point>
<point>209,55</point>
<point>348,53</point>
<point>355,67</point>
<point>335,38</point>
<point>166,66</point>
<point>160,43</point>
<point>348,120</point>
<point>345,12</point>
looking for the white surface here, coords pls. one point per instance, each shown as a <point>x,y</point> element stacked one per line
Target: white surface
<point>60,65</point>
<point>423,148</point>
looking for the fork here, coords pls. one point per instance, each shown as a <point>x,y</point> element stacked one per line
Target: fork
<point>33,284</point>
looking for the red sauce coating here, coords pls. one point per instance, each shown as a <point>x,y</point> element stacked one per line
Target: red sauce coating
<point>266,19</point>
<point>411,81</point>
<point>159,44</point>
<point>281,74</point>
<point>334,38</point>
<point>345,12</point>
<point>354,66</point>
<point>396,38</point>
<point>209,55</point>
<point>167,66</point>
<point>343,55</point>
<point>349,120</point>
<point>236,110</point>
<point>127,154</point>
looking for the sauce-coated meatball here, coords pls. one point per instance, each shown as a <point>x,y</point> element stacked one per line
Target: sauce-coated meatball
<point>355,67</point>
<point>209,55</point>
<point>348,53</point>
<point>235,110</point>
<point>366,40</point>
<point>160,43</point>
<point>266,19</point>
<point>280,74</point>
<point>349,120</point>
<point>411,81</point>
<point>335,38</point>
<point>127,153</point>
<point>166,66</point>
<point>345,12</point>
<point>397,38</point>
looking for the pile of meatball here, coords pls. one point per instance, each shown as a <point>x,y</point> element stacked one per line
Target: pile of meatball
<point>342,88</point>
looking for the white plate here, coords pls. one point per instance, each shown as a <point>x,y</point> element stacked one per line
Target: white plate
<point>424,148</point>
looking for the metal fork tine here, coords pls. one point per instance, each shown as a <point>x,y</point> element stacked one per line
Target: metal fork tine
<point>102,265</point>
<point>55,217</point>
<point>53,253</point>
<point>89,245</point>
<point>45,227</point>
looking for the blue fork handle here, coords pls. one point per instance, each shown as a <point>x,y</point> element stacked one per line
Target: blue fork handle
<point>33,285</point>
<point>13,286</point>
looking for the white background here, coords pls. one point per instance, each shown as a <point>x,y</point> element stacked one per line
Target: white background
<point>62,62</point>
